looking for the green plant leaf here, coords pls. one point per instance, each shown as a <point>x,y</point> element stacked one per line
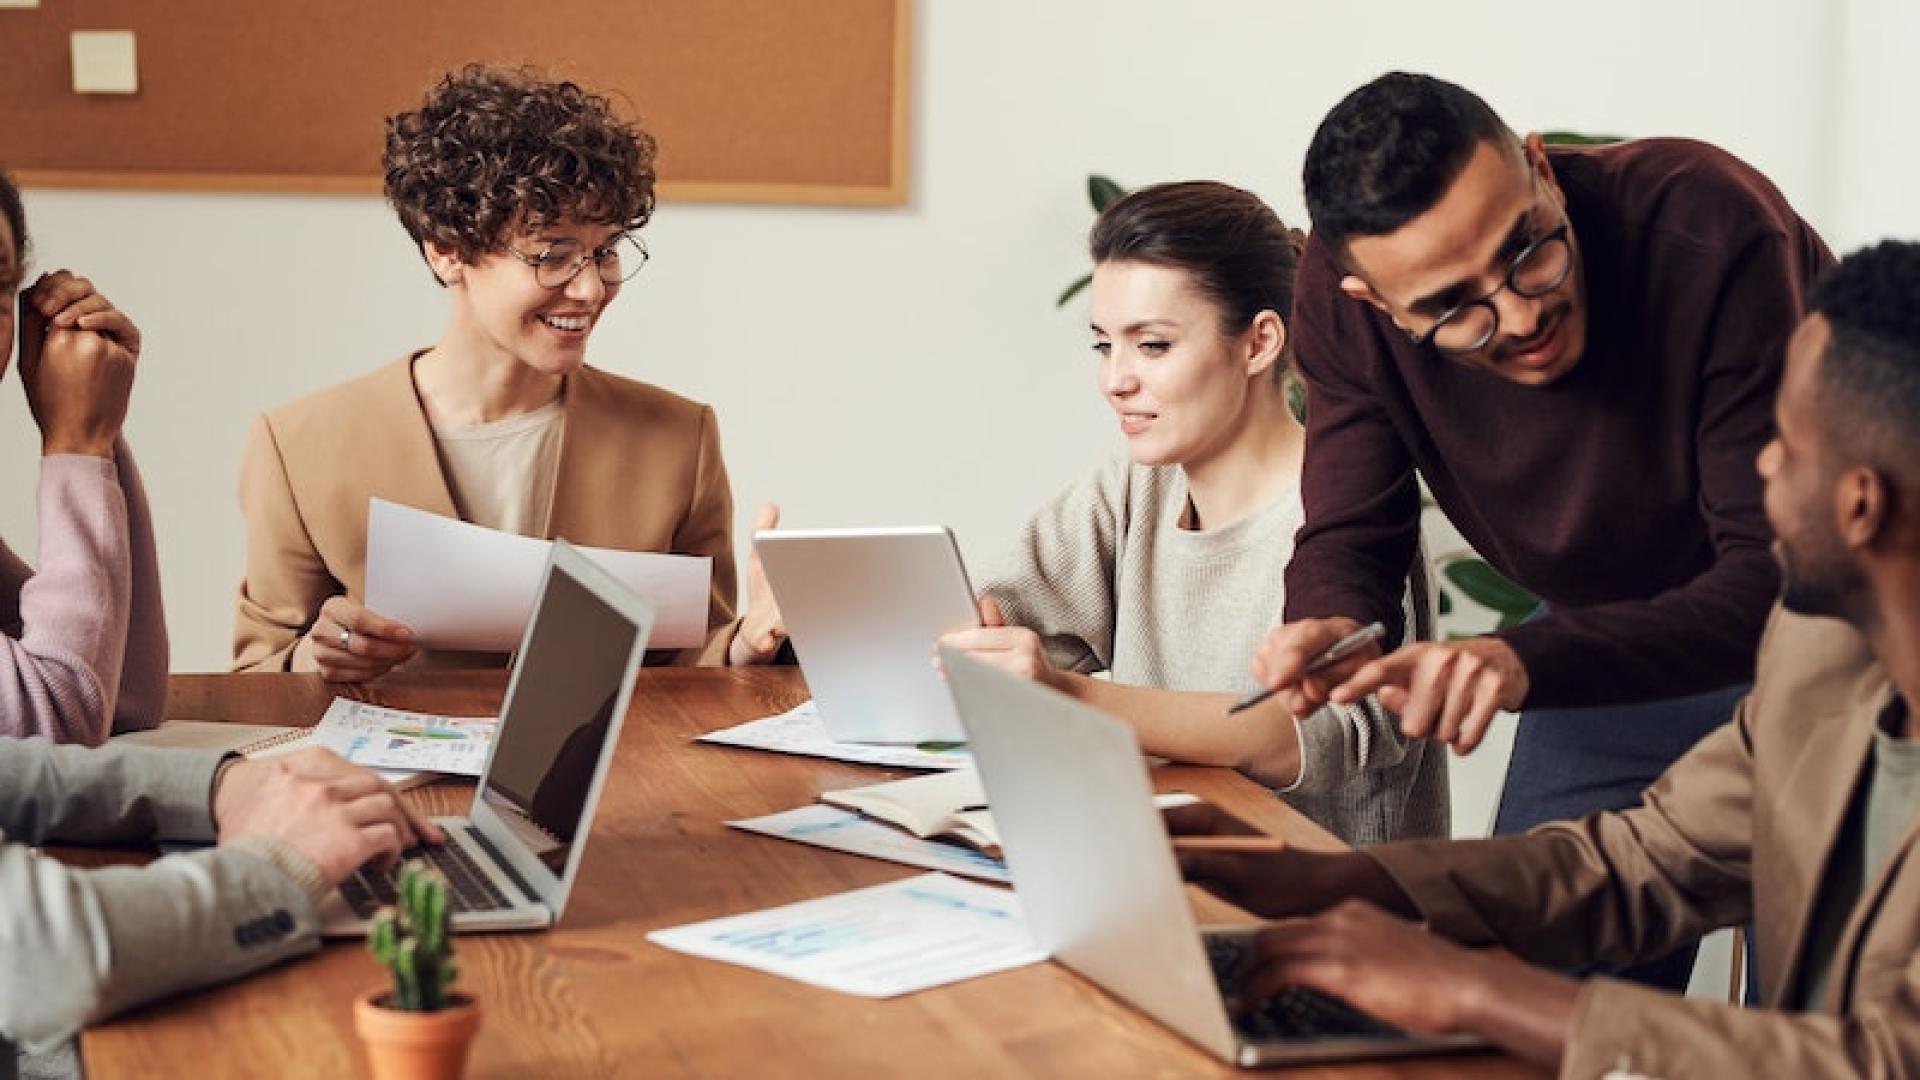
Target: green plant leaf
<point>1446,602</point>
<point>1073,290</point>
<point>1102,192</point>
<point>1484,586</point>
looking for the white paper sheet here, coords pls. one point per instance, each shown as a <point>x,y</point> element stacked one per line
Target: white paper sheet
<point>845,830</point>
<point>464,586</point>
<point>879,942</point>
<point>800,731</point>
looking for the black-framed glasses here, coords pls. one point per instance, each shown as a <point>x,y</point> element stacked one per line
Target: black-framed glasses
<point>563,260</point>
<point>1537,270</point>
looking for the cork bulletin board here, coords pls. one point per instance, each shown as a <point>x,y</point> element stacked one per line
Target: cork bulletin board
<point>776,101</point>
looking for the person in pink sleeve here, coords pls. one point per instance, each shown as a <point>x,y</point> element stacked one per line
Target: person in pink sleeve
<point>83,639</point>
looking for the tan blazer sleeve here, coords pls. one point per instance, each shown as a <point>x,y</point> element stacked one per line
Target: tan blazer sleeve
<point>707,529</point>
<point>286,579</point>
<point>1652,1033</point>
<point>1613,888</point>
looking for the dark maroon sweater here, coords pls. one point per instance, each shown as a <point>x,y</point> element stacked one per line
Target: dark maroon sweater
<point>1624,494</point>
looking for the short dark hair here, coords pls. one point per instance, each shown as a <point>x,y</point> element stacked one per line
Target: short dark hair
<point>1241,255</point>
<point>16,215</point>
<point>492,149</point>
<point>1389,150</point>
<point>1869,386</point>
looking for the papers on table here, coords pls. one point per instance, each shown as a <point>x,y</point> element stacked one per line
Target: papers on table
<point>464,586</point>
<point>845,830</point>
<point>880,942</point>
<point>383,738</point>
<point>799,731</point>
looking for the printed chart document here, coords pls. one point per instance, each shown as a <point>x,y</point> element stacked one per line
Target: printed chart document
<point>465,586</point>
<point>845,830</point>
<point>383,738</point>
<point>799,731</point>
<point>880,942</point>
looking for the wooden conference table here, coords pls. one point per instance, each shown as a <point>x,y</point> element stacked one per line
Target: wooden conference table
<point>595,998</point>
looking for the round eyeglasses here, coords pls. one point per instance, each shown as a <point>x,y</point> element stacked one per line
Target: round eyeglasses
<point>1537,270</point>
<point>563,260</point>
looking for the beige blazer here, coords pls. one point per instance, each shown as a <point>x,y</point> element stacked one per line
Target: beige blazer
<point>639,469</point>
<point>1738,830</point>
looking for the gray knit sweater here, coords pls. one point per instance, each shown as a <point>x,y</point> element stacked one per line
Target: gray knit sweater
<point>1112,582</point>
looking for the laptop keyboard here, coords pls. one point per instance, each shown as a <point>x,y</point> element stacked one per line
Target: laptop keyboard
<point>1295,1013</point>
<point>468,887</point>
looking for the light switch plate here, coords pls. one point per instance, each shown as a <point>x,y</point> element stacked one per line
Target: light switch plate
<point>103,62</point>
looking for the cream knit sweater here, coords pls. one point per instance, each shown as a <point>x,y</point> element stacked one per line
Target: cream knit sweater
<point>1112,582</point>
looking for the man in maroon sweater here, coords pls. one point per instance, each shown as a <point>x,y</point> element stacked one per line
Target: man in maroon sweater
<point>1577,349</point>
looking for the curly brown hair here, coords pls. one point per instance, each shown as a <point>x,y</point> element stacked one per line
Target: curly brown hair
<point>491,150</point>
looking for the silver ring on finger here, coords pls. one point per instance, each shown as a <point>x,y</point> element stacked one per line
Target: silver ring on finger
<point>346,640</point>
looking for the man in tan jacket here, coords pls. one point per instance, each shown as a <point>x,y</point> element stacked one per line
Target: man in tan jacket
<point>1801,817</point>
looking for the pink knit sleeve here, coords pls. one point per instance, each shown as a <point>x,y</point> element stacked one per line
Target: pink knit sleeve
<point>60,673</point>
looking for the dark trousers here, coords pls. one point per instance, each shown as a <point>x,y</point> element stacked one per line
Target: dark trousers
<point>1568,763</point>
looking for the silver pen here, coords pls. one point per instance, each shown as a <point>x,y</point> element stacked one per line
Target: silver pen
<point>1334,653</point>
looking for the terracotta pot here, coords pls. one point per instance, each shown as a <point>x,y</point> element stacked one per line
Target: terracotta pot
<point>415,1045</point>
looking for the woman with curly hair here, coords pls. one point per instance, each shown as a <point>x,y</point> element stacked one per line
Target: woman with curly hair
<point>525,197</point>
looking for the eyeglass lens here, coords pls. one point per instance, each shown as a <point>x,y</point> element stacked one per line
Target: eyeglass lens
<point>1537,271</point>
<point>564,259</point>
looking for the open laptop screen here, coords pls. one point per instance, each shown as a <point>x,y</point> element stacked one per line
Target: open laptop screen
<point>572,670</point>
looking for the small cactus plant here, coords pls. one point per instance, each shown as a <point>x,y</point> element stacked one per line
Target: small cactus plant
<point>412,941</point>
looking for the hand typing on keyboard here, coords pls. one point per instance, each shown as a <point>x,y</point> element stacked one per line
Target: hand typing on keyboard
<point>1394,970</point>
<point>335,814</point>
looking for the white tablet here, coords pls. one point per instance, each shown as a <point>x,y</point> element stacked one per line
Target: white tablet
<point>864,608</point>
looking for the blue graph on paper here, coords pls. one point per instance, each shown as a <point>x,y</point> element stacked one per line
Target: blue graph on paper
<point>800,942</point>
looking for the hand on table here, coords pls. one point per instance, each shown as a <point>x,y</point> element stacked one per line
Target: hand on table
<point>77,359</point>
<point>336,814</point>
<point>349,643</point>
<point>761,629</point>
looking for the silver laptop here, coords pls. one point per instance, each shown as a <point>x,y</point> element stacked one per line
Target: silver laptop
<point>511,861</point>
<point>864,608</point>
<point>1097,879</point>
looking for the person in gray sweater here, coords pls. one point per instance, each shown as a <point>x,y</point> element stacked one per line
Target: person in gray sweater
<point>1165,569</point>
<point>80,945</point>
